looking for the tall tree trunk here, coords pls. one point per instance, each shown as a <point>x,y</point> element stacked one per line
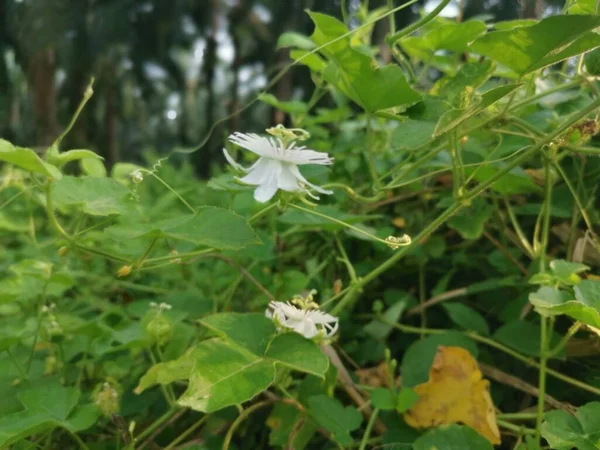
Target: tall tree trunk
<point>40,78</point>
<point>111,115</point>
<point>234,103</point>
<point>531,9</point>
<point>79,77</point>
<point>208,75</point>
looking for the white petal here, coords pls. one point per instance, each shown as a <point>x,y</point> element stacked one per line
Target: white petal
<point>296,172</point>
<point>321,317</point>
<point>287,180</point>
<point>306,328</point>
<point>268,187</point>
<point>232,162</point>
<point>257,144</point>
<point>301,156</point>
<point>258,173</point>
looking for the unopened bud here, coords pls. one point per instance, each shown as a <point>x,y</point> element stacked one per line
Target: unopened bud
<point>63,251</point>
<point>574,278</point>
<point>176,259</point>
<point>124,271</point>
<point>337,286</point>
<point>51,365</point>
<point>107,398</point>
<point>160,329</point>
<point>137,176</point>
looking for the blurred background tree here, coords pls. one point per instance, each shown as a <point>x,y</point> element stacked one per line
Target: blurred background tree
<point>167,70</point>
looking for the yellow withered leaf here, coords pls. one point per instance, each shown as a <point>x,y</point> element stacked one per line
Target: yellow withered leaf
<point>455,393</point>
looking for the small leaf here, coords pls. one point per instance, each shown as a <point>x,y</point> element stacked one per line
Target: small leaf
<point>406,399</point>
<point>26,159</point>
<point>524,337</point>
<point>251,331</point>
<point>471,221</point>
<point>168,372</point>
<point>379,329</point>
<point>445,34</point>
<point>331,415</point>
<point>553,39</point>
<point>356,74</point>
<point>549,301</point>
<point>582,430</point>
<point>210,226</point>
<point>60,159</point>
<point>384,399</point>
<point>224,375</point>
<point>564,270</point>
<point>292,39</point>
<point>93,168</point>
<point>455,393</point>
<point>47,406</point>
<point>412,134</point>
<point>286,421</point>
<point>95,196</point>
<point>292,106</point>
<point>588,293</point>
<point>467,318</point>
<point>298,353</point>
<point>452,437</point>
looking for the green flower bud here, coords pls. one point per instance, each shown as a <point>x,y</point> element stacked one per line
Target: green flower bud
<point>107,397</point>
<point>160,329</point>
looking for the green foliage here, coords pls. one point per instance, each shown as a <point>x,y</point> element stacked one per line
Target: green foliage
<point>452,437</point>
<point>581,430</point>
<point>457,208</point>
<point>553,39</point>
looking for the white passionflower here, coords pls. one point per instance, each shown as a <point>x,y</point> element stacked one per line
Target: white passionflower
<point>309,323</point>
<point>277,165</point>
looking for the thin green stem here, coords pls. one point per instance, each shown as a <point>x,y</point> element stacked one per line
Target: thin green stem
<point>243,416</point>
<point>89,91</point>
<point>368,429</point>
<point>516,428</point>
<point>418,24</point>
<point>142,258</point>
<point>565,339</point>
<point>339,222</point>
<point>173,191</point>
<point>355,195</point>
<point>582,209</point>
<point>369,155</point>
<point>78,440</point>
<point>390,5</point>
<point>542,377</point>
<point>262,212</point>
<point>187,432</point>
<point>166,393</point>
<point>517,416</point>
<point>534,98</point>
<point>16,364</point>
<point>344,11</point>
<point>345,259</point>
<point>158,423</point>
<point>520,234</point>
<point>180,255</point>
<point>546,218</point>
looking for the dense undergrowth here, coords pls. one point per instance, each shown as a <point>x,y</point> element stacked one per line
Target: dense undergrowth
<point>444,290</point>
